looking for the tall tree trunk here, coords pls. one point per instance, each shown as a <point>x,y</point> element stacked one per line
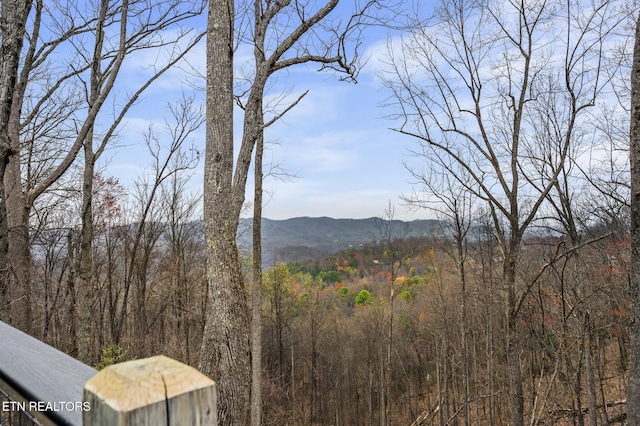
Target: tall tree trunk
<point>85,263</point>
<point>389,377</point>
<point>633,388</point>
<point>516,397</point>
<point>461,251</point>
<point>72,314</point>
<point>225,352</point>
<point>589,376</point>
<point>13,18</point>
<point>5,299</point>
<point>85,269</point>
<point>19,253</point>
<point>256,321</point>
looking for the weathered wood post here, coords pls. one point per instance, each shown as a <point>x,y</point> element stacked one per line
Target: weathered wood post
<point>152,391</point>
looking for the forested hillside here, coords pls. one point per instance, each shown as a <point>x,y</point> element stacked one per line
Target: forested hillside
<point>379,329</point>
<point>412,321</point>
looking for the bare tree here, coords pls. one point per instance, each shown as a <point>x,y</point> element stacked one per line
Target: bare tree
<point>47,107</point>
<point>453,204</point>
<point>18,201</point>
<point>95,144</point>
<point>468,89</point>
<point>392,235</point>
<point>302,33</point>
<point>170,156</point>
<point>183,267</point>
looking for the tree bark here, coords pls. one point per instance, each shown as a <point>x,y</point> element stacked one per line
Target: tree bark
<point>85,267</point>
<point>5,299</point>
<point>225,351</point>
<point>256,321</point>
<point>589,375</point>
<point>13,18</point>
<point>633,388</point>
<point>516,396</point>
<point>19,254</point>
<point>85,263</point>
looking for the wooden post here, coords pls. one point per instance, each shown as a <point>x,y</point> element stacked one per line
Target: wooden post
<point>152,391</point>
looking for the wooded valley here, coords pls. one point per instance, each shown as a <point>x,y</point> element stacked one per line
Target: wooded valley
<point>407,328</point>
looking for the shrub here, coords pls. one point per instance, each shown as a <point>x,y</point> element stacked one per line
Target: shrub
<point>113,354</point>
<point>363,298</point>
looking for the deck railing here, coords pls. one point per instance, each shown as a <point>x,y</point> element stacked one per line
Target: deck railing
<point>40,385</point>
<point>12,412</point>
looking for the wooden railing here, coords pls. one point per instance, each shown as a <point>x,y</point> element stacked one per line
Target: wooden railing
<point>39,382</point>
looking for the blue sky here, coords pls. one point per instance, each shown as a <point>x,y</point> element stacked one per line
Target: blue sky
<point>336,142</point>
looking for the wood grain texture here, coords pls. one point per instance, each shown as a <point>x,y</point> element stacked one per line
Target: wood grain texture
<point>151,391</point>
<point>42,373</point>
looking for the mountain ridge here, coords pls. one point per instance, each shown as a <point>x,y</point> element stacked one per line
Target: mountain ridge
<point>305,237</point>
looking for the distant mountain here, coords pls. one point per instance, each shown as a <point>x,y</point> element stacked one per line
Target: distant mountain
<point>304,238</point>
<point>290,240</point>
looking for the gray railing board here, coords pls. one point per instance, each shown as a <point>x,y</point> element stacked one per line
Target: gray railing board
<point>42,373</point>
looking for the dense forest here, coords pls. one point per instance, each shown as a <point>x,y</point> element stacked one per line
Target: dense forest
<point>407,328</point>
<point>523,308</point>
